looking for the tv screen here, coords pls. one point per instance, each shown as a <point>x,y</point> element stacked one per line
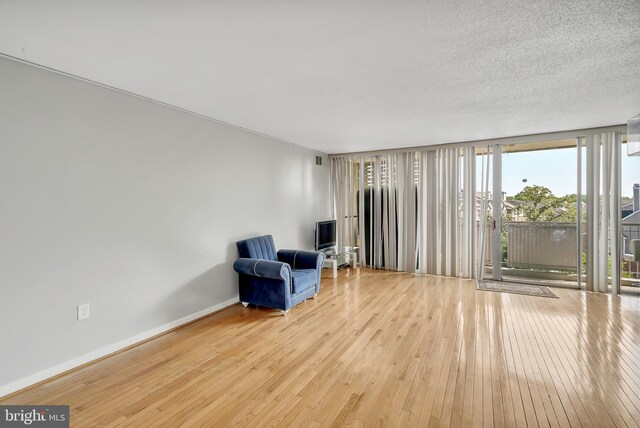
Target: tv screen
<point>325,234</point>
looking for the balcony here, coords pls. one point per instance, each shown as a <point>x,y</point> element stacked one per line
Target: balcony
<point>547,252</point>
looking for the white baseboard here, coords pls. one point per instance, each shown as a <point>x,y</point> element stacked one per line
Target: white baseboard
<point>106,350</point>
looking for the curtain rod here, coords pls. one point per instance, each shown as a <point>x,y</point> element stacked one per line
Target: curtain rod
<point>519,139</point>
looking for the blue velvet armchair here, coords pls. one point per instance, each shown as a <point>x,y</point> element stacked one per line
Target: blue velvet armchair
<point>276,279</point>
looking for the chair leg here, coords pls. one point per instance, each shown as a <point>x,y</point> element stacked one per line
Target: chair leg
<point>245,304</point>
<point>315,295</point>
<point>284,313</point>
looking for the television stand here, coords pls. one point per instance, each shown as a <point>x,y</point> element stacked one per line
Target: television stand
<point>348,255</point>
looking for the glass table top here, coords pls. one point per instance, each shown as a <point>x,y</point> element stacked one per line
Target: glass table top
<point>335,252</point>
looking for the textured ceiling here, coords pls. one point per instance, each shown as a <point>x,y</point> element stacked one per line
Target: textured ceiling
<point>341,76</point>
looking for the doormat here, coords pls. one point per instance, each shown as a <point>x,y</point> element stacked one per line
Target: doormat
<point>514,288</point>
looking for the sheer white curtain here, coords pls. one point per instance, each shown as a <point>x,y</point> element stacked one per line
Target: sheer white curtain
<point>468,239</point>
<point>447,212</point>
<point>603,211</point>
<point>412,212</point>
<point>483,210</point>
<point>439,209</point>
<point>384,194</point>
<point>343,176</point>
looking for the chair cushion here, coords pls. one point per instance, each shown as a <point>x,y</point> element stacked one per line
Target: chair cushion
<point>260,247</point>
<point>303,279</point>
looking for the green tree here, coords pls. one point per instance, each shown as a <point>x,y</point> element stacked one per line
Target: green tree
<point>539,204</point>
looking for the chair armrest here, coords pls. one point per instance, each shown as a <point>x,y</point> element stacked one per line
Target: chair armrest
<point>263,268</point>
<point>299,259</point>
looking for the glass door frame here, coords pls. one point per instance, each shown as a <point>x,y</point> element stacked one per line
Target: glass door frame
<point>579,229</point>
<point>496,214</point>
<point>496,207</point>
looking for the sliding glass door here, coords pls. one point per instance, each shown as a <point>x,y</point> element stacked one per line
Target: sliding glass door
<point>537,213</point>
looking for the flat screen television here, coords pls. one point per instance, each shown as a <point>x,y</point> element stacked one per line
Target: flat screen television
<point>325,234</point>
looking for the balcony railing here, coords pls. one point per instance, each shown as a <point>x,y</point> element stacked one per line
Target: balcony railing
<point>542,245</point>
<point>552,246</point>
<point>630,270</point>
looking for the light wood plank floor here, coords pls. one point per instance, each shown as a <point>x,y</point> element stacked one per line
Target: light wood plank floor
<point>376,349</point>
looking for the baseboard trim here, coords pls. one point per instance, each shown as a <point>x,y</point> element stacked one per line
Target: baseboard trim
<point>92,357</point>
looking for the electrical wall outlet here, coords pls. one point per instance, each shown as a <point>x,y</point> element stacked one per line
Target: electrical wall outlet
<point>84,311</point>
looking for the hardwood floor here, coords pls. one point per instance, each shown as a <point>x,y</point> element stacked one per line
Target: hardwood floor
<point>376,349</point>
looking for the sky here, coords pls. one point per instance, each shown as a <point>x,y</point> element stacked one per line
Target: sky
<point>556,170</point>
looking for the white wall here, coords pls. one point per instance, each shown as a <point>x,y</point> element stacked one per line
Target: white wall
<point>134,207</point>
